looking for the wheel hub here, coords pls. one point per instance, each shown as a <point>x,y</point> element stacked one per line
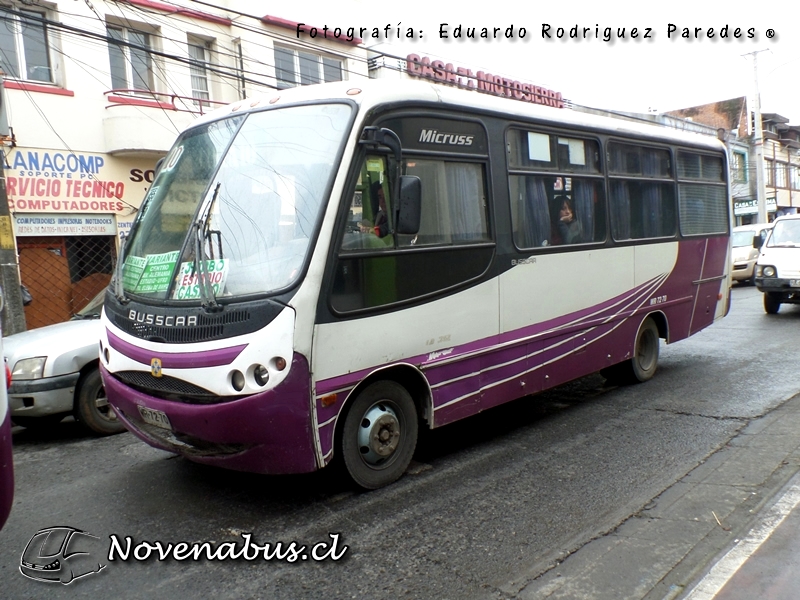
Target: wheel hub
<point>379,434</point>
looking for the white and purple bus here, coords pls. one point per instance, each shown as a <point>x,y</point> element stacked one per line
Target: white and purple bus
<point>321,272</point>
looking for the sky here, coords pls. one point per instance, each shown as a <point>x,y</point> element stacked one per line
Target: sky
<point>654,72</point>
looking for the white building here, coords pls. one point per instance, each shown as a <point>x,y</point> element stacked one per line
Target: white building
<point>95,94</point>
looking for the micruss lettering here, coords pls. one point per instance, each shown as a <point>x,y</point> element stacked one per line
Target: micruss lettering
<point>432,136</point>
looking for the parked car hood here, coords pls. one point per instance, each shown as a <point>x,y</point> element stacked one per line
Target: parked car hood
<point>744,253</point>
<point>68,346</point>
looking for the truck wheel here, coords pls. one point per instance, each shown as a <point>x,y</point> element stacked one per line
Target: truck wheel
<point>379,434</point>
<point>92,408</point>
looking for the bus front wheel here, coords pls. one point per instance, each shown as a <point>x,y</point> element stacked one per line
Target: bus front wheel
<point>379,434</point>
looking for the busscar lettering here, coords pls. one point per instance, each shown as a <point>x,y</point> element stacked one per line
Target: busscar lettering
<point>162,320</point>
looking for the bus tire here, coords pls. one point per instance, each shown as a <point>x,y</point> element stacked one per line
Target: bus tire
<point>772,303</point>
<point>92,409</point>
<point>643,365</point>
<point>379,434</point>
<point>645,356</point>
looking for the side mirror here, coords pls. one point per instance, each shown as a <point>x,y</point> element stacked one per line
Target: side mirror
<point>409,205</point>
<point>758,240</point>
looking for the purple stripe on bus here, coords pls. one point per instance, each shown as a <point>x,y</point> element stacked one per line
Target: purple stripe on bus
<point>271,430</point>
<point>177,360</point>
<point>605,309</point>
<point>6,470</point>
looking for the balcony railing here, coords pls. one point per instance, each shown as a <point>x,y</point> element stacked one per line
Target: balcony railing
<point>172,102</point>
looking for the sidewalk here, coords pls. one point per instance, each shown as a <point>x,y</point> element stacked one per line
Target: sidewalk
<point>665,551</point>
<point>765,563</point>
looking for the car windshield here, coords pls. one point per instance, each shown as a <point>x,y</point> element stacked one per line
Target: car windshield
<point>740,239</point>
<point>235,201</point>
<point>92,308</point>
<point>785,234</point>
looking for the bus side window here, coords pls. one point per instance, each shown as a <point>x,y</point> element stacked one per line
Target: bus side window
<point>369,224</point>
<point>554,211</point>
<point>454,206</point>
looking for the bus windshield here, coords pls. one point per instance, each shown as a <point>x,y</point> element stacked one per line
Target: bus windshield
<point>235,204</point>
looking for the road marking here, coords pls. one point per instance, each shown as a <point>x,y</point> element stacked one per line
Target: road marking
<point>726,567</point>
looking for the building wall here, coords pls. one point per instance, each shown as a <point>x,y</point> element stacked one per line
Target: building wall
<point>85,149</point>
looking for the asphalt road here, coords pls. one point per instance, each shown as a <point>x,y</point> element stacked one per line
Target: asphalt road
<point>496,499</point>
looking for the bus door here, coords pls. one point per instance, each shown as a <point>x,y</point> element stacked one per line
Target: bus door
<point>422,296</point>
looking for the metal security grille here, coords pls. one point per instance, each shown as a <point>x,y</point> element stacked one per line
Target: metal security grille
<point>169,388</point>
<point>63,274</point>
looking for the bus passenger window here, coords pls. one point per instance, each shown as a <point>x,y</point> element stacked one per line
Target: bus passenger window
<point>454,207</point>
<point>641,206</point>
<point>555,211</point>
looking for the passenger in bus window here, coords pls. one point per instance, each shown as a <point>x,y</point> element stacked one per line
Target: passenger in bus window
<point>568,225</point>
<point>381,227</point>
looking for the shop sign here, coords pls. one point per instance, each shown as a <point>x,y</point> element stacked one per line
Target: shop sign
<point>441,72</point>
<point>750,207</point>
<point>39,224</point>
<point>45,181</point>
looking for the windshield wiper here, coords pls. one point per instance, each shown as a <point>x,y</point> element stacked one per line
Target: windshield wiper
<point>203,234</point>
<point>119,289</point>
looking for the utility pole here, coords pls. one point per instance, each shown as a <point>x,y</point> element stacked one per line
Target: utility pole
<point>12,314</point>
<point>758,142</point>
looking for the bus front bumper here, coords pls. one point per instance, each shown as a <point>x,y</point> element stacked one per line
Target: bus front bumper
<point>270,432</point>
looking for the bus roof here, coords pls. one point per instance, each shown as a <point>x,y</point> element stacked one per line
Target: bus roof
<point>373,92</point>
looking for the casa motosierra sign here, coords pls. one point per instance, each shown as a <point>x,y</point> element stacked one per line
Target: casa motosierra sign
<point>441,72</point>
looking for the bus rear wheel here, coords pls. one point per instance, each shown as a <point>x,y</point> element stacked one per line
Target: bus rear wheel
<point>379,435</point>
<point>643,365</point>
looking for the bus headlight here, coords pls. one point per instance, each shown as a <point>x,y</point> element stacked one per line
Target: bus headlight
<point>237,380</point>
<point>261,375</point>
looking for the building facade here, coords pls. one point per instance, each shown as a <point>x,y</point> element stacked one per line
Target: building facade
<point>96,93</point>
<point>781,153</point>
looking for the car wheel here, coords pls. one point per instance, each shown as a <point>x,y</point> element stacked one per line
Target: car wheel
<point>92,408</point>
<point>379,434</point>
<point>772,303</point>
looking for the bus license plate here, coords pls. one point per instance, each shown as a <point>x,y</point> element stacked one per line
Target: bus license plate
<point>155,417</point>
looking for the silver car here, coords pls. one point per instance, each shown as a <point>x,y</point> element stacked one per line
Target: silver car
<point>744,253</point>
<point>55,374</point>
